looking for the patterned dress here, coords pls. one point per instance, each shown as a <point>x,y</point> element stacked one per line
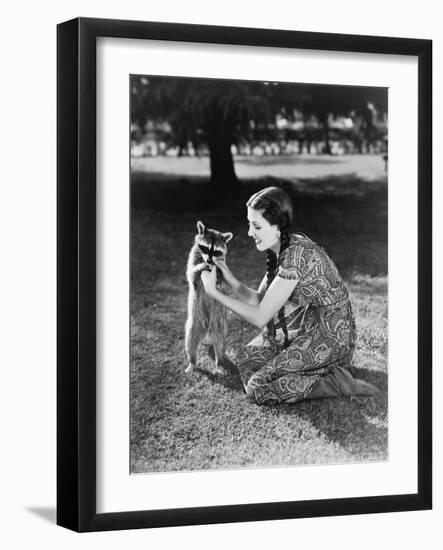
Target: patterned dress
<point>321,331</point>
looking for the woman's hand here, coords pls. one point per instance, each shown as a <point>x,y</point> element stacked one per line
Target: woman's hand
<point>225,271</point>
<point>209,280</point>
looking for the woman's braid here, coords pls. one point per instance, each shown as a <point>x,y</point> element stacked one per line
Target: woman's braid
<point>271,264</point>
<point>284,243</point>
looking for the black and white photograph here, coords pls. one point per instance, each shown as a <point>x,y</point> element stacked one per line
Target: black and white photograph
<point>259,274</point>
<point>221,263</point>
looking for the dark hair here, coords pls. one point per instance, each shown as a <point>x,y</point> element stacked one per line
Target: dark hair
<point>276,207</point>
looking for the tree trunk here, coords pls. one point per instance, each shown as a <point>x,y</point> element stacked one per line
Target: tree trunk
<point>325,122</point>
<point>221,161</point>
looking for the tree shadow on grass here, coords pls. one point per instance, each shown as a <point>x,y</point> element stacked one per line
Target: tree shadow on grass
<point>176,193</point>
<point>346,215</point>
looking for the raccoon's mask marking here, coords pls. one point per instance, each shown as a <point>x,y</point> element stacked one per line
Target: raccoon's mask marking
<point>211,243</point>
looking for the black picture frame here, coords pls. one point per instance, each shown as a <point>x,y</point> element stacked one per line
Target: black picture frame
<point>76,274</point>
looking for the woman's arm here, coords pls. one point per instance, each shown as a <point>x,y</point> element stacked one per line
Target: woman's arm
<point>259,315</point>
<point>241,291</point>
<point>249,295</point>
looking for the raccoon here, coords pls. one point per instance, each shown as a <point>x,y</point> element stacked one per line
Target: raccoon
<point>206,317</point>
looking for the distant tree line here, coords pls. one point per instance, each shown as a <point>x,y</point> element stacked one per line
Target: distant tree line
<point>219,117</point>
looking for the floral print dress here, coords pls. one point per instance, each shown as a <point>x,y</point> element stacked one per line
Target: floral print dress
<point>321,331</point>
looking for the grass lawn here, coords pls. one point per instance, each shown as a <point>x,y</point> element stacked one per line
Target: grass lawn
<point>204,421</point>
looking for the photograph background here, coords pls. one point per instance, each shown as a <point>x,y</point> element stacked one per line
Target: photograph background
<point>28,277</point>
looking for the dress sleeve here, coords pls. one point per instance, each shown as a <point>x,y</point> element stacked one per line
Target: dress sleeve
<point>294,262</point>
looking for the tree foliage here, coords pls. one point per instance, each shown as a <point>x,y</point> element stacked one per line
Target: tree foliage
<point>220,113</point>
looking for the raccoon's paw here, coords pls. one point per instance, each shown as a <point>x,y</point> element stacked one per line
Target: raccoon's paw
<point>190,368</point>
<point>200,267</point>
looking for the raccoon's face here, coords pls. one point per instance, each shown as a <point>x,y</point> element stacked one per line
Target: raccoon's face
<point>211,243</point>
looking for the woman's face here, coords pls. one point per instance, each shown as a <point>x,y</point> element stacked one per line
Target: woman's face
<point>264,234</point>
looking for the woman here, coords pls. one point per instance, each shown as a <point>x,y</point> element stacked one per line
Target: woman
<point>306,347</point>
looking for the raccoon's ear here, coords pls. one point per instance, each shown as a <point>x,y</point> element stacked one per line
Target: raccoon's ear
<point>227,237</point>
<point>201,228</point>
